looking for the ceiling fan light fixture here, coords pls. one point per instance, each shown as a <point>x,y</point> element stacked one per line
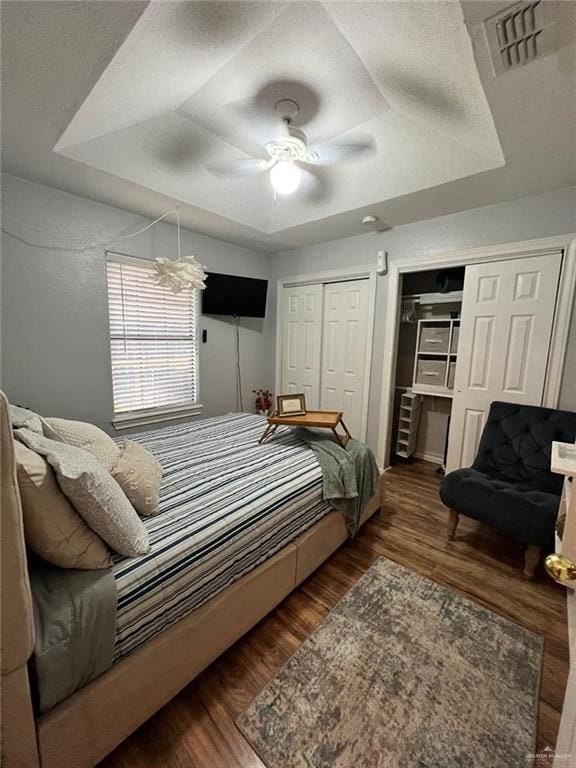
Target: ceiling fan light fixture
<point>285,177</point>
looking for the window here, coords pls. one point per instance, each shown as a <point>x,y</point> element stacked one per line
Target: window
<point>153,345</point>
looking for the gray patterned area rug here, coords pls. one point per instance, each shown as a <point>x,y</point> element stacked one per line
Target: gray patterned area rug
<point>402,673</point>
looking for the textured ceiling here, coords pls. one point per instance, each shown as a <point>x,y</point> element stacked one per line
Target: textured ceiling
<point>188,88</point>
<point>126,102</point>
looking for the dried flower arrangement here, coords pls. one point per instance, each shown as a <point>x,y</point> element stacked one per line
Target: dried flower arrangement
<point>263,400</point>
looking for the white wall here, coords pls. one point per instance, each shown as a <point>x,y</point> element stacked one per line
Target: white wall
<point>54,305</point>
<point>55,349</point>
<point>544,215</point>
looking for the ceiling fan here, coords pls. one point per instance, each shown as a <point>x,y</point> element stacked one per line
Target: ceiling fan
<point>289,150</point>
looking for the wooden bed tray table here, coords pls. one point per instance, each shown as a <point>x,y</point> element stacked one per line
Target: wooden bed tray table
<point>323,419</point>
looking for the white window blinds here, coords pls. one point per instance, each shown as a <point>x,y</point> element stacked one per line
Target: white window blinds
<point>153,339</point>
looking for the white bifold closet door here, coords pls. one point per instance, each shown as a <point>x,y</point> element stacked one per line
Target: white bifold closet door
<point>302,342</point>
<point>345,330</point>
<point>324,347</point>
<point>505,332</point>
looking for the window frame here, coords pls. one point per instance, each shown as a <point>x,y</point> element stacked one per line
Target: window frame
<point>158,414</point>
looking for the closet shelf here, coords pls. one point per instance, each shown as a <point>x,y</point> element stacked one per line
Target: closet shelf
<point>436,298</point>
<point>408,424</point>
<point>436,354</point>
<point>436,392</point>
<point>440,320</point>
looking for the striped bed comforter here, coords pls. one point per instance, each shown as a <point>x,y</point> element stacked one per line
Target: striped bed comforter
<point>227,504</point>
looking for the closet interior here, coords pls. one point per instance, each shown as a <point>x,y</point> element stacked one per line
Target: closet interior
<point>429,327</point>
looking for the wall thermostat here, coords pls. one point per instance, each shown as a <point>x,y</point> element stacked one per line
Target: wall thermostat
<point>382,262</point>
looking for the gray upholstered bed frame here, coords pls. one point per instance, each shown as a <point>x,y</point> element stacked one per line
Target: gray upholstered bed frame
<point>84,728</point>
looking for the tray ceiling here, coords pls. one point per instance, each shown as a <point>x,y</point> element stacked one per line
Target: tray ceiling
<point>196,82</point>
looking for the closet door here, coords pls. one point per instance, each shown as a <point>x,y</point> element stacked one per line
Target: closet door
<point>302,341</point>
<point>505,332</point>
<point>345,330</point>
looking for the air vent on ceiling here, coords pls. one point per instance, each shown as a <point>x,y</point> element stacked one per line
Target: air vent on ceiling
<point>518,35</point>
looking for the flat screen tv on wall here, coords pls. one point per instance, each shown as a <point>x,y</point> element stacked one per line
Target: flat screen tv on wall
<point>237,296</point>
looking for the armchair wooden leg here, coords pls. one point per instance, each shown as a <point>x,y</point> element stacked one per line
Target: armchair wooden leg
<point>452,523</point>
<point>531,560</point>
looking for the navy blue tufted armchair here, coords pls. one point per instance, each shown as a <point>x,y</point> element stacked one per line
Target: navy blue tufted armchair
<point>509,485</point>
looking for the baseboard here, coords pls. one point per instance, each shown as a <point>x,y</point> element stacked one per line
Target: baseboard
<point>431,457</point>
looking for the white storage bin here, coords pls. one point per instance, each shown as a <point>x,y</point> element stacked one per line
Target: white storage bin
<point>434,339</point>
<point>432,372</point>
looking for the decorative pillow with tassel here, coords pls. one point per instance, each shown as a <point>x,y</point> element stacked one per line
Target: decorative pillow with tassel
<point>139,475</point>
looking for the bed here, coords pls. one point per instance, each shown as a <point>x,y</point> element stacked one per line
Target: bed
<point>240,526</point>
<point>226,506</point>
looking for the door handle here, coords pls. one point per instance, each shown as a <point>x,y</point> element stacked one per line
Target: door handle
<point>562,570</point>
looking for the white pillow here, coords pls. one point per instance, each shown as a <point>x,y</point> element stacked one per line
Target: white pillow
<point>83,435</point>
<point>22,417</point>
<point>94,493</point>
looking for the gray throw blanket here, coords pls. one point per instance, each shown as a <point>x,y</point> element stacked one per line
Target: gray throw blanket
<point>75,623</point>
<point>350,475</point>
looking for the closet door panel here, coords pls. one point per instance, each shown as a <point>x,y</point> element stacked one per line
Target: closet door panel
<point>481,352</point>
<point>505,331</point>
<point>330,401</point>
<point>302,342</point>
<point>345,327</point>
<point>519,345</point>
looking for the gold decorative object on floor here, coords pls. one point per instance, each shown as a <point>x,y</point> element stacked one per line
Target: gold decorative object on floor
<point>560,569</point>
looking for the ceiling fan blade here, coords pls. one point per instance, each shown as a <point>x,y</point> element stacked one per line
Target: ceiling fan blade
<point>316,185</point>
<point>258,120</point>
<point>239,167</point>
<point>337,152</point>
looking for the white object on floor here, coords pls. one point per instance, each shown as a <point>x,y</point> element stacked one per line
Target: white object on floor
<point>565,752</point>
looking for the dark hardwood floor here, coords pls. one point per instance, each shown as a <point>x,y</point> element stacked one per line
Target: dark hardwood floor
<point>196,729</point>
